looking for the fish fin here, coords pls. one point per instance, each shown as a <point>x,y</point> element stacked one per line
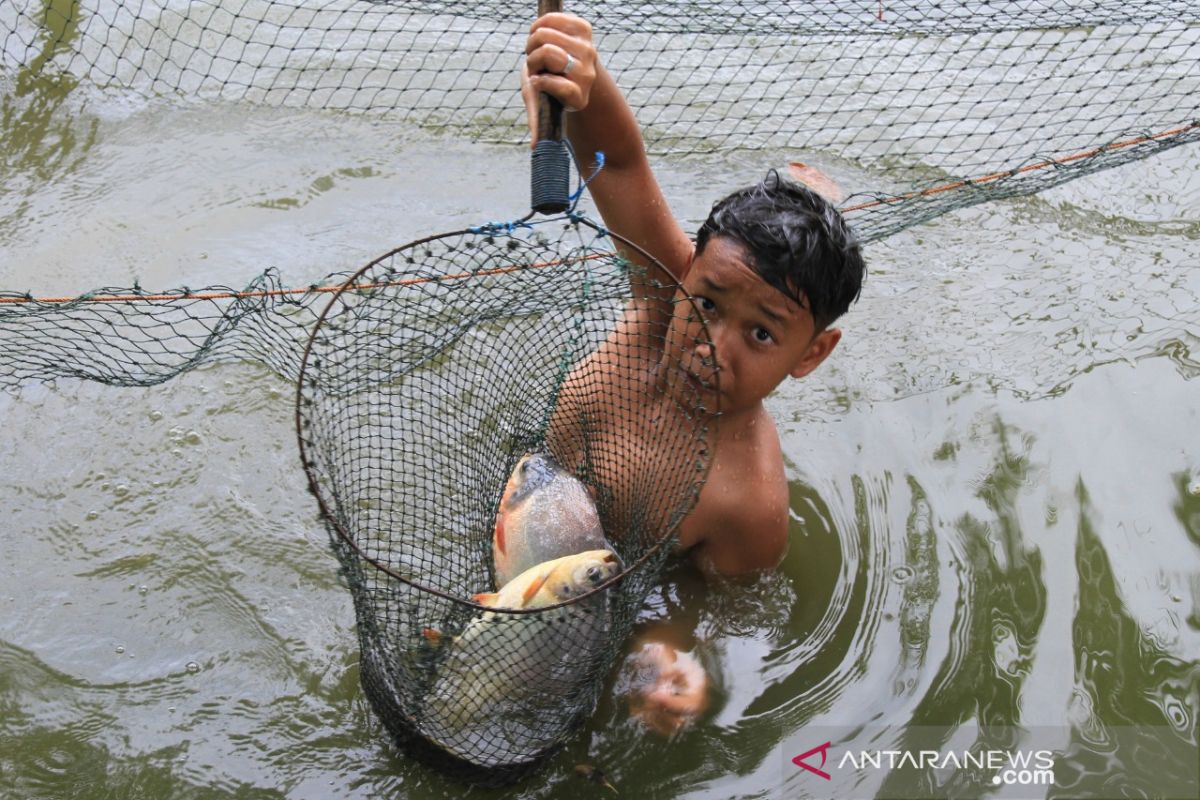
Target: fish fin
<point>500,543</point>
<point>486,598</point>
<point>535,587</point>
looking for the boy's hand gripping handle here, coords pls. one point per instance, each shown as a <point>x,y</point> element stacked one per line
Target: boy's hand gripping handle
<point>551,168</point>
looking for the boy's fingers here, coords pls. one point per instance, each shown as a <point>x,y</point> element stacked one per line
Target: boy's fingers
<point>559,61</point>
<point>580,46</point>
<point>553,59</point>
<point>560,87</point>
<point>568,23</point>
<point>529,95</point>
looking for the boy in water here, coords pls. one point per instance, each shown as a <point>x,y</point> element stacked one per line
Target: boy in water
<point>771,269</point>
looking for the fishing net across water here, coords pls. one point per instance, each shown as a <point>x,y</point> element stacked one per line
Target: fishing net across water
<point>425,381</point>
<point>946,104</point>
<point>933,106</point>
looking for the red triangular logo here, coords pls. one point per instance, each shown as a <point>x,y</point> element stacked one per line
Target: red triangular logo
<point>823,750</point>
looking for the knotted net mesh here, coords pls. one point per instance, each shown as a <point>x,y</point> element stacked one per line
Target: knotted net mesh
<point>949,103</point>
<point>425,381</point>
<point>934,106</point>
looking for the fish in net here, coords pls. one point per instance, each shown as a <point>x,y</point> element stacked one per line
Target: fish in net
<point>430,376</point>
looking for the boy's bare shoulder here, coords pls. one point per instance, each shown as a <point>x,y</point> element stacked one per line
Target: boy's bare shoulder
<point>740,523</point>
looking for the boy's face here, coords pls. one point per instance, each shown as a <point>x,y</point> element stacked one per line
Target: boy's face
<point>760,335</point>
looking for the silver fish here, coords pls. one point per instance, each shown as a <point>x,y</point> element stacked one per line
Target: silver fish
<point>502,687</point>
<point>545,513</point>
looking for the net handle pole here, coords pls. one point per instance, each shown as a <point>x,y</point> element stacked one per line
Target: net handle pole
<point>550,172</point>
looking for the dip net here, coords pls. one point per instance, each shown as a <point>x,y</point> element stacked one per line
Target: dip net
<point>426,379</point>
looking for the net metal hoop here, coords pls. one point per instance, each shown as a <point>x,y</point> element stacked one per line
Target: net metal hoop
<point>325,503</point>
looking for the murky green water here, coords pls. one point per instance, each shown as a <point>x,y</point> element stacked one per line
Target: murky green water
<point>995,484</point>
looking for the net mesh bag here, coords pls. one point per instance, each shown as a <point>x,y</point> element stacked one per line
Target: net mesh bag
<point>426,379</point>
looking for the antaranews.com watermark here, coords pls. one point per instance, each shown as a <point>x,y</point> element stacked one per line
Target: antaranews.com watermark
<point>935,763</point>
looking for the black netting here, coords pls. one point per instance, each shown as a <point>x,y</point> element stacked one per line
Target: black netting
<point>944,105</point>
<point>948,103</point>
<point>425,381</point>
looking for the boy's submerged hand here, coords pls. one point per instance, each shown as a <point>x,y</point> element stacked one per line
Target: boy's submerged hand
<point>672,691</point>
<point>560,61</point>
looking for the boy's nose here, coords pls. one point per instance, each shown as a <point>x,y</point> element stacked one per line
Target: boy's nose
<point>707,351</point>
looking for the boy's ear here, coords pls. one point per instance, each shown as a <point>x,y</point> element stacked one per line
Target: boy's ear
<point>817,351</point>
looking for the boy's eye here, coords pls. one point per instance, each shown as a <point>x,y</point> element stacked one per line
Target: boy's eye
<point>705,304</point>
<point>762,335</point>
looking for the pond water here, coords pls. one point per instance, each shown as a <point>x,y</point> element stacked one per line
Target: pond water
<point>995,486</point>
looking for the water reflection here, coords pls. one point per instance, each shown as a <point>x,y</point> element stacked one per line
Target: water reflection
<point>42,137</point>
<point>950,580</point>
<point>1134,715</point>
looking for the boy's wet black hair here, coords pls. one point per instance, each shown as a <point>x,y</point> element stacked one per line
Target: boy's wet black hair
<point>796,241</point>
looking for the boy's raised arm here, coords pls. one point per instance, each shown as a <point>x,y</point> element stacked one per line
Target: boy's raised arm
<point>625,190</point>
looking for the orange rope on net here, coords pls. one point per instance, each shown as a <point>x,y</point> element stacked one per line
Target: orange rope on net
<point>166,298</point>
<point>1045,164</point>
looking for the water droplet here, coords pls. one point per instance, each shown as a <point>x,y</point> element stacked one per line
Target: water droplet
<point>92,515</point>
<point>143,589</point>
<point>902,574</point>
<point>120,649</point>
<point>120,490</point>
<point>1194,488</point>
<point>155,416</point>
<point>192,437</point>
<point>170,709</point>
<point>193,667</point>
<point>175,451</point>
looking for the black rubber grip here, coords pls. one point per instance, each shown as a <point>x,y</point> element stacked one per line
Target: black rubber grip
<point>551,177</point>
